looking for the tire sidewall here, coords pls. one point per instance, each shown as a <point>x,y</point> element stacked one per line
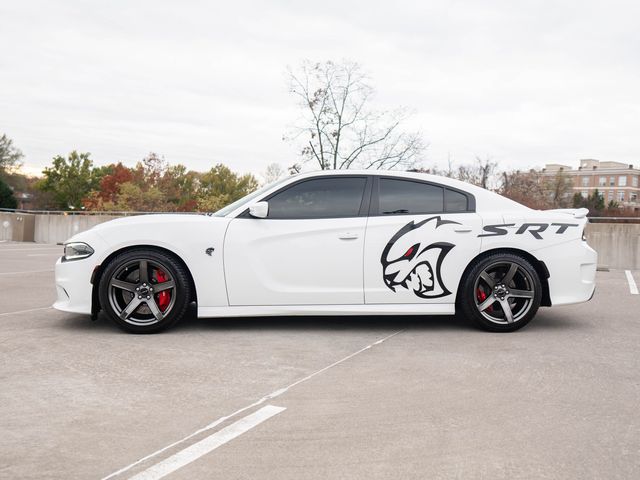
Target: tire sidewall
<point>467,294</point>
<point>177,272</point>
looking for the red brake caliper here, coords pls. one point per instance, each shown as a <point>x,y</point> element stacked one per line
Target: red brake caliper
<point>482,297</point>
<point>164,297</point>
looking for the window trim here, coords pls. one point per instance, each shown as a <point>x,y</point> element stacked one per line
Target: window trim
<point>374,210</point>
<point>364,202</point>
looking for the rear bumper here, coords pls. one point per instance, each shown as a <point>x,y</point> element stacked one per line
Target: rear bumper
<point>572,270</point>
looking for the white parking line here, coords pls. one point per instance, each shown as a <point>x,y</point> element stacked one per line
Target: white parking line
<point>633,288</point>
<point>274,394</point>
<point>24,311</point>
<point>207,445</point>
<point>24,273</point>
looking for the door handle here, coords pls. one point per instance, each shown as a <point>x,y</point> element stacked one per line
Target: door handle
<point>462,230</point>
<point>348,236</point>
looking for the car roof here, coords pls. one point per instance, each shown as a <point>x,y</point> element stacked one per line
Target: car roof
<point>425,177</point>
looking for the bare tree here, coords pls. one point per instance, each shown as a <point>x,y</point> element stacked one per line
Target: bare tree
<point>481,173</point>
<point>10,156</point>
<point>558,190</point>
<point>339,129</point>
<point>273,172</point>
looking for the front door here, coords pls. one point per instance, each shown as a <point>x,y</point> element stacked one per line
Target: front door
<point>309,249</point>
<point>420,238</point>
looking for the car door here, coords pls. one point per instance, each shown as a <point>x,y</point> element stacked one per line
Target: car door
<point>420,238</point>
<point>307,251</point>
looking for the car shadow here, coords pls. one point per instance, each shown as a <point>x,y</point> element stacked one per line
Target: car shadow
<point>545,320</point>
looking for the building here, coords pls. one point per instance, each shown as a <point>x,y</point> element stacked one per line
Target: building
<point>615,181</point>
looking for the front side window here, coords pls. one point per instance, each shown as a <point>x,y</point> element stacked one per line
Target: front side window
<point>634,181</point>
<point>612,181</point>
<point>610,195</point>
<point>621,196</point>
<point>602,181</point>
<point>585,181</point>
<point>398,197</point>
<point>319,198</point>
<point>622,181</point>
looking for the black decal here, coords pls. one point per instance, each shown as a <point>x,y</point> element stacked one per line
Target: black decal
<point>541,227</point>
<point>412,267</point>
<point>562,227</point>
<point>495,230</point>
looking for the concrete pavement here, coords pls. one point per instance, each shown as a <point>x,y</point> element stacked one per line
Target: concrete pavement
<point>80,399</point>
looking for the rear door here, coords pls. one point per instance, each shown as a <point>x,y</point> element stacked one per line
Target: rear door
<point>420,238</point>
<point>308,251</point>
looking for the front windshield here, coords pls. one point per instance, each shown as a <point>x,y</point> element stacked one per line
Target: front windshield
<point>224,211</point>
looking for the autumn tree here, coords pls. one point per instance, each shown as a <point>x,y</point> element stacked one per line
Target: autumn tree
<point>10,156</point>
<point>339,129</point>
<point>70,179</point>
<point>220,186</point>
<point>524,187</point>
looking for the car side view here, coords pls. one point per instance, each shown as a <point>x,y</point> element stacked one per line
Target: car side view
<point>335,243</point>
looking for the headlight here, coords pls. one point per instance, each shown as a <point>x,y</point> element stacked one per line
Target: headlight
<point>76,251</point>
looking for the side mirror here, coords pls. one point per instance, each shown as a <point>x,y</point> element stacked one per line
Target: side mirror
<point>259,210</point>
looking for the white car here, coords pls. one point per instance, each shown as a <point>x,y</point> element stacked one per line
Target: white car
<point>334,243</point>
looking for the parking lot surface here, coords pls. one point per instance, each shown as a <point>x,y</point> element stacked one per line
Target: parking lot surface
<point>318,397</point>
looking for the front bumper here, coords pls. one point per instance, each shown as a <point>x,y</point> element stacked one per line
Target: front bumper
<point>73,285</point>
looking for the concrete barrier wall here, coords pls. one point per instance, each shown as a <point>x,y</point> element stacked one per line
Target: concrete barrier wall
<point>58,228</point>
<point>617,244</point>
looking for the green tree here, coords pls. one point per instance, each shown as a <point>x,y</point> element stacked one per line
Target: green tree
<point>71,179</point>
<point>594,202</point>
<point>10,156</point>
<point>220,186</point>
<point>7,200</point>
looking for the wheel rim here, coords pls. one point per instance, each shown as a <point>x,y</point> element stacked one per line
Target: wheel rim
<point>504,292</point>
<point>142,292</point>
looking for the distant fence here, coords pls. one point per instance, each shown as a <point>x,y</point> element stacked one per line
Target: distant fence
<point>617,241</point>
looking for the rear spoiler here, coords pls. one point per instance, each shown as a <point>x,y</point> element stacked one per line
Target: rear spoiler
<point>574,212</point>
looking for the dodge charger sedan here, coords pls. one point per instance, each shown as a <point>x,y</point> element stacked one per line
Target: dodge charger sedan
<point>334,243</point>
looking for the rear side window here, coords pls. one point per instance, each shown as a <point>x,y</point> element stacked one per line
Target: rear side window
<point>398,197</point>
<point>455,201</point>
<point>319,198</point>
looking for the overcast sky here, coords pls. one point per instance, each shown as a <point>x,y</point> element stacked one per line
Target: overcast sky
<point>525,82</point>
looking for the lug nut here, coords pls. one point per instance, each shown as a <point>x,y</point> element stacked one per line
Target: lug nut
<point>139,296</point>
<point>148,297</point>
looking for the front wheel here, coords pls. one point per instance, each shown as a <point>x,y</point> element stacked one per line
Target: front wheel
<point>144,291</point>
<point>501,293</point>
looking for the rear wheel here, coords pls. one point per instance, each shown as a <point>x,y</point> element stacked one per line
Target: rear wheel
<point>501,293</point>
<point>144,291</point>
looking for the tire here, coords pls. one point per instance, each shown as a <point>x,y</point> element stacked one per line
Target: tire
<point>500,293</point>
<point>145,304</point>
